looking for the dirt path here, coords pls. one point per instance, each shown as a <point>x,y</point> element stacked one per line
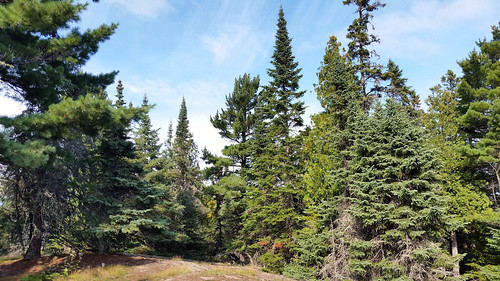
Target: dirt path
<point>134,268</point>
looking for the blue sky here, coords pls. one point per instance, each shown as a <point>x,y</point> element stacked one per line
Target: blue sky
<point>174,48</point>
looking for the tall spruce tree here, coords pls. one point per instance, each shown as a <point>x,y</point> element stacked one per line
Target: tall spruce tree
<point>367,69</point>
<point>187,176</point>
<point>325,159</point>
<point>275,204</point>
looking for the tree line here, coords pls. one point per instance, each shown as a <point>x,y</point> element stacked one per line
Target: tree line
<point>374,189</point>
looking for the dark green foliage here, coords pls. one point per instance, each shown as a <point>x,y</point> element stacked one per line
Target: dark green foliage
<point>476,165</point>
<point>338,93</point>
<point>185,154</point>
<point>39,64</point>
<point>312,248</point>
<point>275,205</point>
<point>224,197</point>
<point>478,92</point>
<point>41,67</point>
<point>399,91</point>
<point>394,214</point>
<point>147,141</point>
<point>119,204</point>
<point>120,102</point>
<point>282,92</point>
<point>186,177</point>
<point>236,122</point>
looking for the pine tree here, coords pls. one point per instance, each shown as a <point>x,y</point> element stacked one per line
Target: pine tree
<point>43,61</point>
<point>467,206</point>
<point>477,91</point>
<point>478,126</point>
<point>275,203</point>
<point>362,57</point>
<point>41,66</point>
<point>235,123</point>
<point>223,197</point>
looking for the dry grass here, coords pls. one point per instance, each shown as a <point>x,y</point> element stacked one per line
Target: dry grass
<point>117,272</point>
<point>246,272</point>
<point>120,272</point>
<point>171,272</point>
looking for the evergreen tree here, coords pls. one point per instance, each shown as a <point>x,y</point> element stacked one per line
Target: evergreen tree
<point>120,102</point>
<point>119,206</point>
<point>227,189</point>
<point>41,62</point>
<point>325,159</point>
<point>338,93</point>
<point>399,91</point>
<point>235,123</point>
<point>467,206</point>
<point>478,125</point>
<point>147,140</point>
<point>185,154</point>
<point>478,92</point>
<point>393,215</point>
<point>41,67</point>
<point>187,176</point>
<point>224,195</point>
<point>362,57</point>
<point>275,203</point>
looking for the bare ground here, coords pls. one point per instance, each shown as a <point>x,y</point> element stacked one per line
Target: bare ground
<point>136,268</point>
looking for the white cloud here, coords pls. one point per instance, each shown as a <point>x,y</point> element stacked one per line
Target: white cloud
<point>145,9</point>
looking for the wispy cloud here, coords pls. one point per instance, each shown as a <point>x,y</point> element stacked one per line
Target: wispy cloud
<point>413,32</point>
<point>234,41</point>
<point>157,90</point>
<point>149,9</point>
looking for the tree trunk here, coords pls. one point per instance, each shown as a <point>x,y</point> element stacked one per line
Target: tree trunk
<point>454,253</point>
<point>218,244</point>
<point>35,246</point>
<point>497,173</point>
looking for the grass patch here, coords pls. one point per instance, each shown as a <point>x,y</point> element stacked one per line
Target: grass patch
<point>9,258</point>
<point>116,272</point>
<point>247,272</point>
<point>171,272</point>
<point>177,258</point>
